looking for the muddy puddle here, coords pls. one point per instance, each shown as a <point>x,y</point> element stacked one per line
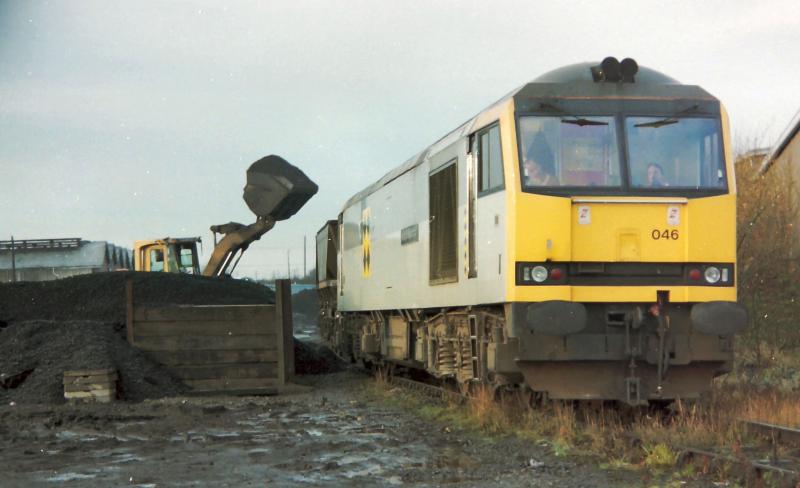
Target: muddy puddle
<point>331,436</point>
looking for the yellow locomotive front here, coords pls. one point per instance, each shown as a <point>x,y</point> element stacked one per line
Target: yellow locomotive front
<point>621,235</point>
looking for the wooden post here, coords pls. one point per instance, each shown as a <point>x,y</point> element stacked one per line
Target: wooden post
<point>129,310</point>
<point>285,334</point>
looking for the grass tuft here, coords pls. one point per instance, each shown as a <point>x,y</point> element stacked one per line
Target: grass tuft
<point>659,456</point>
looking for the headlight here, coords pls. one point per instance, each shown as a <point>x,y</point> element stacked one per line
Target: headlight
<point>712,274</point>
<point>539,273</point>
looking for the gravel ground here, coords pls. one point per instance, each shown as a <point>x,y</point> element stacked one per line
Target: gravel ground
<point>334,435</point>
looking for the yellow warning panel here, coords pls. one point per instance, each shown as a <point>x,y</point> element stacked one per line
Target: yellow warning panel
<point>365,249</point>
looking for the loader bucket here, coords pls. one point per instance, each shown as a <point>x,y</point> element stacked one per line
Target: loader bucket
<point>276,189</point>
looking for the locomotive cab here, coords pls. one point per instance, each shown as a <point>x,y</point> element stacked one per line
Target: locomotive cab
<point>624,243</point>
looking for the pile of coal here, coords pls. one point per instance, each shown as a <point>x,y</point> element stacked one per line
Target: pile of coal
<point>306,303</point>
<point>77,323</point>
<point>314,358</point>
<point>101,296</point>
<point>35,354</point>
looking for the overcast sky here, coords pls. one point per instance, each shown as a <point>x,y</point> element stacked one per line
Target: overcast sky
<point>131,120</point>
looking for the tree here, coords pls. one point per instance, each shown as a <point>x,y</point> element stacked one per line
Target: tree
<point>767,255</point>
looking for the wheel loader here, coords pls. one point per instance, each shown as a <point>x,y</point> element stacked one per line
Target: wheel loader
<point>275,190</point>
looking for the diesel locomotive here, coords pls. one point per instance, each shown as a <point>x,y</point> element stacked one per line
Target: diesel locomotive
<point>577,238</point>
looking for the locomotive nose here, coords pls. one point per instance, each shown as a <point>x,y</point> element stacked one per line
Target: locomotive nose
<point>276,189</point>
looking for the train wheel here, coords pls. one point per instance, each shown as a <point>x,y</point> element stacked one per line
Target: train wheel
<point>532,399</point>
<point>506,392</point>
<point>659,406</point>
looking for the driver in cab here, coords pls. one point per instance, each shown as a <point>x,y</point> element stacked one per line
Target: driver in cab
<point>655,176</point>
<point>537,175</point>
<point>538,164</point>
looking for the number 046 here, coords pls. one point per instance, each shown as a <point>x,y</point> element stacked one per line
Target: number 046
<point>665,234</point>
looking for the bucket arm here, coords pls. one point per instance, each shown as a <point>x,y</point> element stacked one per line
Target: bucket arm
<point>237,238</point>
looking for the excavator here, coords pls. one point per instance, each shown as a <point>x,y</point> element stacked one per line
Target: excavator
<point>275,191</point>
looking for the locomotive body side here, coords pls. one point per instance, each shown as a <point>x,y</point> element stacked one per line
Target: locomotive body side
<point>386,256</point>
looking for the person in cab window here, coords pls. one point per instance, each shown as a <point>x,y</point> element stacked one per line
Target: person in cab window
<point>655,176</point>
<point>537,175</point>
<point>538,164</point>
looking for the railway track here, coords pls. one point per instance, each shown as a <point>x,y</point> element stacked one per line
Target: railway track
<point>754,466</point>
<point>758,465</point>
<point>752,469</point>
<point>429,390</point>
<point>777,434</point>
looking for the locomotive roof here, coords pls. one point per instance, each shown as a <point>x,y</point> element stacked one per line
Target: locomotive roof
<point>572,81</point>
<point>583,72</point>
<point>576,81</point>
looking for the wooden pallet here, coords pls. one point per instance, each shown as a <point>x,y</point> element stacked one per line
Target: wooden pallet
<point>94,385</point>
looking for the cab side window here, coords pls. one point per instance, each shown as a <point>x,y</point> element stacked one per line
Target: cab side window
<point>186,256</point>
<point>156,260</point>
<point>490,160</point>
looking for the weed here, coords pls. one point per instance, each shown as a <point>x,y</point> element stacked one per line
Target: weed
<point>659,456</point>
<point>560,448</point>
<point>688,471</point>
<point>485,411</point>
<point>566,426</point>
<point>382,380</point>
<point>617,463</point>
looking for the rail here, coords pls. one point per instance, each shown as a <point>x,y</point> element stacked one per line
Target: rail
<point>427,389</point>
<point>755,468</point>
<point>776,433</point>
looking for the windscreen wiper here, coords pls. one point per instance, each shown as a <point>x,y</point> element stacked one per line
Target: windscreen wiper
<point>574,119</point>
<point>669,120</point>
<point>582,121</point>
<point>658,123</point>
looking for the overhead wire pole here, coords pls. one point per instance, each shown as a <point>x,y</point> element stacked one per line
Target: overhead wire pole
<point>305,246</point>
<point>288,265</point>
<point>13,261</point>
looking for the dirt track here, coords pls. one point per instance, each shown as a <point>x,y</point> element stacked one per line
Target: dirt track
<point>334,435</point>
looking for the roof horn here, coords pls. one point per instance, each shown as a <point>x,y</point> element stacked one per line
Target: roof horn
<point>613,71</point>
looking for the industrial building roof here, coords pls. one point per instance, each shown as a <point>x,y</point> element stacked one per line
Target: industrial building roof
<point>83,254</point>
<point>786,137</point>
